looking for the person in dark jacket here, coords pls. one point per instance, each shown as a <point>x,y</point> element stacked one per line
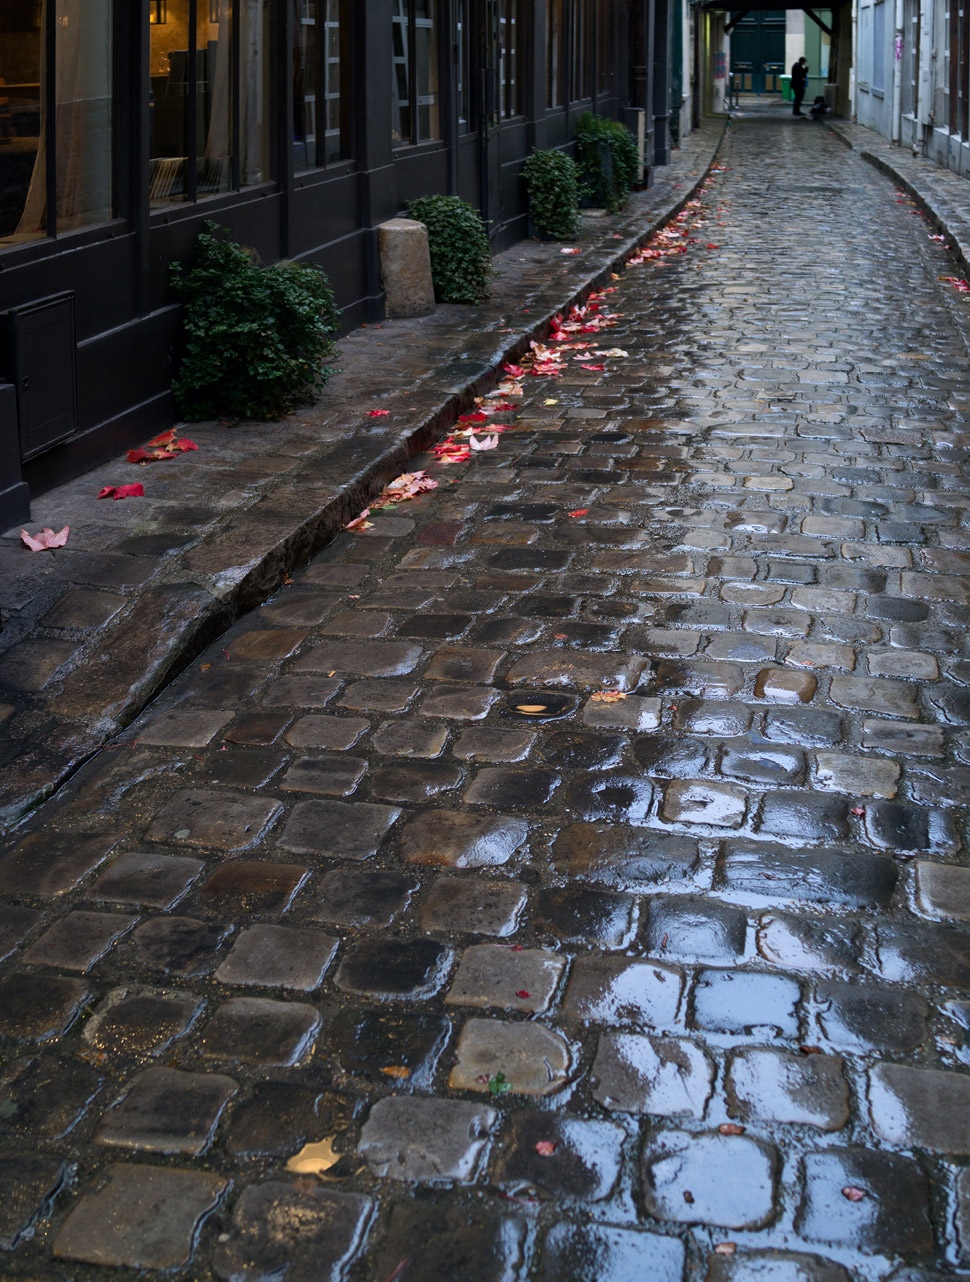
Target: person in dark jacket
<point>799,79</point>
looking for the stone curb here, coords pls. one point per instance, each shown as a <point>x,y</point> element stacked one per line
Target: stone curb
<point>243,559</point>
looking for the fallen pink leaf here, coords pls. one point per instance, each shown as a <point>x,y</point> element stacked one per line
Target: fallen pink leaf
<point>378,413</point>
<point>571,252</point>
<point>545,1148</point>
<point>361,522</point>
<point>45,539</point>
<point>135,491</point>
<point>486,443</point>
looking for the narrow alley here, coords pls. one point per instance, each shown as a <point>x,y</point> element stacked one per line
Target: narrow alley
<point>563,877</point>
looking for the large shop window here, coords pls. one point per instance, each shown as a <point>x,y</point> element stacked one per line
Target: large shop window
<point>554,53</point>
<point>581,49</point>
<point>209,97</point>
<point>321,97</point>
<point>415,88</point>
<point>56,117</point>
<point>510,34</point>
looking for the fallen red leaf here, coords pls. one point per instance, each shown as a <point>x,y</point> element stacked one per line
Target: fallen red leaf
<point>45,539</point>
<point>360,523</point>
<point>378,413</point>
<point>523,993</point>
<point>545,1148</point>
<point>594,369</point>
<point>731,1128</point>
<point>136,491</point>
<point>163,438</point>
<point>579,511</point>
<point>853,1194</point>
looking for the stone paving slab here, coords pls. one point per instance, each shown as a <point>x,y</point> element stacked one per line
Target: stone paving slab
<point>93,631</point>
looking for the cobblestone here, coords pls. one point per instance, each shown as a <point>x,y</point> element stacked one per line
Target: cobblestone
<point>615,789</point>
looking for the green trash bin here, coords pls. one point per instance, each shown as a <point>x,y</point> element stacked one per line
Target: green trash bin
<point>786,88</point>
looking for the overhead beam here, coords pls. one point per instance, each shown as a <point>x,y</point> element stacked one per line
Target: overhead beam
<point>741,13</point>
<point>818,22</point>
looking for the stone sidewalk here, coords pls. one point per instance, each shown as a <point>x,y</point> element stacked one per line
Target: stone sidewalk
<point>93,631</point>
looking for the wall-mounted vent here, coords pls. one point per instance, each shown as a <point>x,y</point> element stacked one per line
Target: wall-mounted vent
<point>43,360</point>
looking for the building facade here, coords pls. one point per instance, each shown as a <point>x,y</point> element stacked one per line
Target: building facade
<point>299,125</point>
<point>912,81</point>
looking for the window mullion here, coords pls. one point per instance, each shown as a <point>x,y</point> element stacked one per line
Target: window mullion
<point>235,79</point>
<point>192,87</point>
<point>50,112</point>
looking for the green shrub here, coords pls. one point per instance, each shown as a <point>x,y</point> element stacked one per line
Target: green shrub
<point>608,159</point>
<point>552,181</point>
<point>461,262</point>
<point>257,337</point>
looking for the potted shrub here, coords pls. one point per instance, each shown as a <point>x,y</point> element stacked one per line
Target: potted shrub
<point>608,160</point>
<point>461,262</point>
<point>552,182</point>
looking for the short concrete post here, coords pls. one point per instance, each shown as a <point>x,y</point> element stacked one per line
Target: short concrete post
<point>406,268</point>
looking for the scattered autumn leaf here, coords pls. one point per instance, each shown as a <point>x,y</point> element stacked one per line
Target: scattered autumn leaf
<point>486,443</point>
<point>731,1128</point>
<point>46,539</point>
<point>397,1071</point>
<point>378,413</point>
<point>122,492</point>
<point>810,1050</point>
<point>167,445</point>
<point>406,486</point>
<point>361,522</point>
<point>546,1148</point>
<point>725,1248</point>
<point>314,1159</point>
<point>688,1197</point>
<point>593,369</point>
<point>578,511</point>
<point>523,993</point>
<point>607,696</point>
<point>550,402</point>
<point>853,1194</point>
<point>531,707</point>
<point>499,1084</point>
<point>571,252</point>
<point>858,811</point>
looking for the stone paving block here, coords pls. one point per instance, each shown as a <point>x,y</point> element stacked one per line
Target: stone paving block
<point>823,946</point>
<point>754,1003</point>
<point>807,727</point>
<point>278,957</point>
<point>320,731</point>
<point>301,692</point>
<point>460,663</point>
<point>44,1097</point>
<point>713,717</point>
<point>258,1030</point>
<point>405,739</point>
<point>178,945</point>
<point>494,975</point>
<point>562,1158</point>
<point>389,969</point>
<point>28,668</point>
<point>562,670</point>
<point>268,644</point>
<point>378,696</point>
<point>473,906</point>
<point>632,859</point>
<point>871,1017</point>
<point>140,1021</point>
<point>278,1118</point>
<point>720,805</point>
<point>139,1217</point>
<point>379,1046</point>
<point>35,1007</point>
<point>804,816</point>
<point>572,749</point>
<point>336,775</point>
<point>858,776</point>
<point>578,1252</point>
<point>895,825</point>
<point>709,679</point>
<point>49,864</point>
<point>632,713</point>
<point>612,990</point>
<point>360,658</point>
<point>907,664</point>
<point>83,609</point>
<point>15,925</point>
<point>351,898</point>
<point>459,703</point>
<point>511,789</point>
<point>921,1107</point>
<point>694,929</point>
<point>762,764</point>
<point>610,795</point>
<point>780,685</point>
<point>778,1086</point>
<point>337,829</point>
<point>813,654</point>
<point>227,821</point>
<point>481,743</point>
<point>414,781</point>
<point>165,1110</point>
<point>148,880</point>
<point>822,876</point>
<point>445,1242</point>
<point>665,1077</point>
<point>524,1058</point>
<point>903,739</point>
<point>248,768</point>
<point>773,1266</point>
<point>413,1138</point>
<point>875,694</point>
<point>457,839</point>
<point>28,1183</point>
<point>731,1179</point>
<point>942,891</point>
<point>302,1234</point>
<point>183,729</point>
<point>77,941</point>
<point>246,887</point>
<point>892,1216</point>
<point>911,952</point>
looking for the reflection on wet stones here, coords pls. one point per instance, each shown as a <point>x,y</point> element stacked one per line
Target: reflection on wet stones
<point>394,968</point>
<point>612,796</point>
<point>578,914</point>
<point>386,1047</point>
<point>631,859</point>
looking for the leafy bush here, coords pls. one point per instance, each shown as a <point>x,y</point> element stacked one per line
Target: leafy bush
<point>257,337</point>
<point>461,262</point>
<point>552,181</point>
<point>608,159</point>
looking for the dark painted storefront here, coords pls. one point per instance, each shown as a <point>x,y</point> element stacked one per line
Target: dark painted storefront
<point>300,125</point>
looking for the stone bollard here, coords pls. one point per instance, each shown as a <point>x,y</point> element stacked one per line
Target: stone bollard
<point>406,268</point>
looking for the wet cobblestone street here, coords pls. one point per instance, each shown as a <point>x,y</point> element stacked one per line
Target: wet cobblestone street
<point>564,878</point>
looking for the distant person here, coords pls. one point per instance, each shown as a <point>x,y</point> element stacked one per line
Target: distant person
<point>799,80</point>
